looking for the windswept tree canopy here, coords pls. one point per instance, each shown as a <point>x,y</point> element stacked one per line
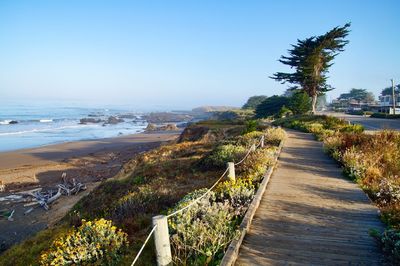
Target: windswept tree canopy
<point>271,106</point>
<point>311,59</point>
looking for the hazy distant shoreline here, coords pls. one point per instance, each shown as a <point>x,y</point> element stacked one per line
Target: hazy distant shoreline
<point>24,127</point>
<point>32,126</point>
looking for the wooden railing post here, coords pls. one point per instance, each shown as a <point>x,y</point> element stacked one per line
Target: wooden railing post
<point>231,171</point>
<point>161,239</point>
<point>253,147</point>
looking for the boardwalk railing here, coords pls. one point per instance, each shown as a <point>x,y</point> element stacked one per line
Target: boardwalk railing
<point>160,222</point>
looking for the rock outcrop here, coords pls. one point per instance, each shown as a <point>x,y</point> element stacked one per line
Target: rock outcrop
<point>209,132</point>
<point>112,120</point>
<point>168,127</point>
<point>128,116</point>
<point>89,120</point>
<point>151,127</point>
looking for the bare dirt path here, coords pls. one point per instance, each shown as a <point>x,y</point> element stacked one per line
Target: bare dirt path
<point>310,214</point>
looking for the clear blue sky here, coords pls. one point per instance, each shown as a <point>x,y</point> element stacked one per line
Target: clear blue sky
<point>180,54</point>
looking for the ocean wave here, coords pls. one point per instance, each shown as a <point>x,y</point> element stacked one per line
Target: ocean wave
<point>5,122</point>
<point>38,130</point>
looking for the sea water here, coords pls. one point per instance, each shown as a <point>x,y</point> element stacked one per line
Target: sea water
<point>39,125</point>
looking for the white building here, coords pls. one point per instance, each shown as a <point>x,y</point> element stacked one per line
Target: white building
<point>386,103</point>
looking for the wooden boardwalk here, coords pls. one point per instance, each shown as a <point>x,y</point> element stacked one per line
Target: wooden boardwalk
<point>310,214</point>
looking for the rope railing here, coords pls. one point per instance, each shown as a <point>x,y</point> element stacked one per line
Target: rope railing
<point>261,142</point>
<point>144,244</point>
<point>199,198</point>
<point>160,254</point>
<point>250,150</point>
<point>244,158</point>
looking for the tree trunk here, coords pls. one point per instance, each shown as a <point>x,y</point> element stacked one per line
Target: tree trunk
<point>314,104</point>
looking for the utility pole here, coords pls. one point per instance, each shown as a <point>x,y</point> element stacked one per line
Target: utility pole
<point>393,95</point>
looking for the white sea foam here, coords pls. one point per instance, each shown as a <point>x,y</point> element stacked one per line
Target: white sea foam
<point>46,120</point>
<point>39,130</point>
<point>5,122</point>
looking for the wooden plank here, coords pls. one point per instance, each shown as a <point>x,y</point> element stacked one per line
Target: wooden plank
<point>310,214</point>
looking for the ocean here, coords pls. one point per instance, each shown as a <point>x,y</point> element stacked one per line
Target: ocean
<point>27,126</point>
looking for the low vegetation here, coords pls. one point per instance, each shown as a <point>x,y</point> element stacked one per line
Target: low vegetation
<point>201,233</point>
<point>371,160</point>
<point>111,223</point>
<point>385,115</point>
<point>234,114</point>
<point>320,125</point>
<point>92,242</point>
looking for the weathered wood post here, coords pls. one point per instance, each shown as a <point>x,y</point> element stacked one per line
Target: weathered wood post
<point>253,147</point>
<point>231,171</point>
<point>161,239</point>
<point>262,141</point>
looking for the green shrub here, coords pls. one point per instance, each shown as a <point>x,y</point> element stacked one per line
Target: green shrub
<point>321,126</point>
<point>332,143</point>
<point>355,128</point>
<point>315,128</point>
<point>385,115</point>
<point>202,231</point>
<point>238,193</point>
<point>249,139</point>
<point>225,153</point>
<point>274,135</point>
<point>251,126</point>
<point>284,112</point>
<point>354,166</point>
<point>136,202</point>
<point>389,192</point>
<point>390,241</point>
<point>256,164</point>
<point>97,242</point>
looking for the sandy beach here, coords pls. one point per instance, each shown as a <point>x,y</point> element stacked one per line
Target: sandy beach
<point>89,161</point>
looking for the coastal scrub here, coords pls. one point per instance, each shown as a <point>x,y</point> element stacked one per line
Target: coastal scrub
<point>95,241</point>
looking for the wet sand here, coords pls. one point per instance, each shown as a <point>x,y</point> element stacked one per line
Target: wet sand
<point>28,167</point>
<point>89,162</point>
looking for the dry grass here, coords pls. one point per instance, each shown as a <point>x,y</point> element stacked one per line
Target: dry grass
<point>148,185</point>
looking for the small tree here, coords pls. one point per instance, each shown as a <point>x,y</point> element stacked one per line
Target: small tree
<point>300,103</point>
<point>360,95</point>
<point>311,59</point>
<point>284,112</point>
<point>254,101</point>
<point>388,90</point>
<point>271,106</point>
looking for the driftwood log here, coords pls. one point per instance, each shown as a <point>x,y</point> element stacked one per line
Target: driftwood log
<point>39,197</point>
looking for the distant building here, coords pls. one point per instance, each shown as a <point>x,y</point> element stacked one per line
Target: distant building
<point>386,104</point>
<point>351,105</point>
